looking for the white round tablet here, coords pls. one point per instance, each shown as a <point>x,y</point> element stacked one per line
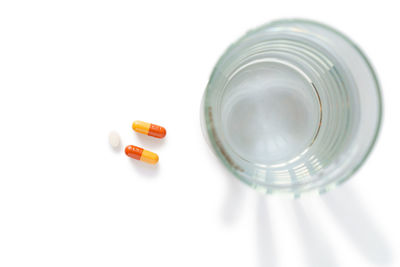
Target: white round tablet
<point>114,139</point>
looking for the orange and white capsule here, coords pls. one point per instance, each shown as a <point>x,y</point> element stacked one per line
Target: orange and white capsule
<point>149,129</point>
<point>141,154</point>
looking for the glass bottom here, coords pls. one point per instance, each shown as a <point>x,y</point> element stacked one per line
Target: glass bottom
<point>271,114</point>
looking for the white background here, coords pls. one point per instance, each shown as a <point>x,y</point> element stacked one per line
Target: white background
<point>72,71</point>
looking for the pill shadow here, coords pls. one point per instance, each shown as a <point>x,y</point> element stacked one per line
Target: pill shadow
<point>145,169</point>
<point>266,246</point>
<point>315,245</point>
<point>358,226</point>
<point>150,142</point>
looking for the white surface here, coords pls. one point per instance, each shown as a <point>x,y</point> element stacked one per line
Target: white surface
<point>71,71</point>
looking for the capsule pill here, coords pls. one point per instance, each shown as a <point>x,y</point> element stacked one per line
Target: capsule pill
<point>141,154</point>
<point>149,129</point>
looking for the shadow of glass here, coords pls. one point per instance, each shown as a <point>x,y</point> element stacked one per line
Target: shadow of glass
<point>317,250</point>
<point>357,225</point>
<point>265,236</point>
<point>232,210</point>
<point>232,206</point>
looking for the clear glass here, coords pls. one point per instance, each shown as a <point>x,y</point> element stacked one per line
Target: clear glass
<point>292,107</point>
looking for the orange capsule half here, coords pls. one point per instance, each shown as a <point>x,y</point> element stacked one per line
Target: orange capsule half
<point>141,154</point>
<point>149,129</point>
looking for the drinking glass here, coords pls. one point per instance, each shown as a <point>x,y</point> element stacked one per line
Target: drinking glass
<point>292,107</point>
